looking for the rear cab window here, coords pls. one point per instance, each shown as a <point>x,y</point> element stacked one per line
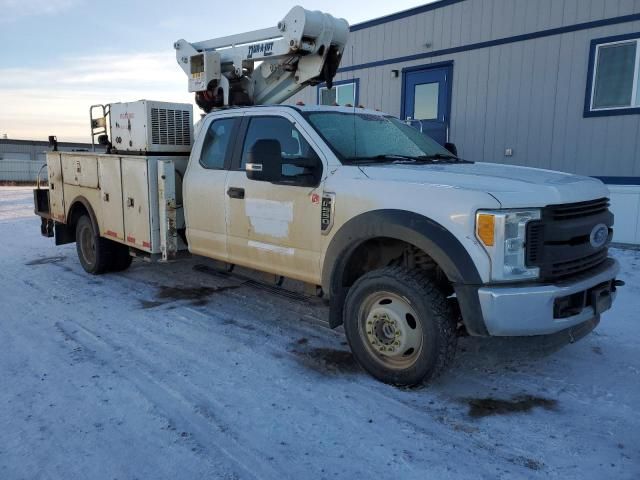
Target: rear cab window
<point>217,143</point>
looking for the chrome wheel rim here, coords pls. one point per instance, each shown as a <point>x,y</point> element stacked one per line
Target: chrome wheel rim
<point>391,330</point>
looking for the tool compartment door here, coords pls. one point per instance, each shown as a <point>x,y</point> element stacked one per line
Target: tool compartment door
<point>56,190</point>
<point>135,196</point>
<point>80,170</point>
<point>110,177</point>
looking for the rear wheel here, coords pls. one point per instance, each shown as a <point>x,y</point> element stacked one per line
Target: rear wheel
<point>400,326</point>
<point>121,258</point>
<point>95,253</point>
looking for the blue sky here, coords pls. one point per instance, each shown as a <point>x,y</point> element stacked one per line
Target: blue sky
<point>60,56</point>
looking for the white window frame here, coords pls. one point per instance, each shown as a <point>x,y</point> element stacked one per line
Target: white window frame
<point>337,86</point>
<point>636,76</point>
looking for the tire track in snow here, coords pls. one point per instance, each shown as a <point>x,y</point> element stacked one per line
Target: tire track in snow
<point>163,399</point>
<point>426,429</point>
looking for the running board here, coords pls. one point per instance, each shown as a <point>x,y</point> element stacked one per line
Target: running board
<point>251,282</point>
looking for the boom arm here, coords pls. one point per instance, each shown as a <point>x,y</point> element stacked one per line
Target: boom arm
<point>264,66</point>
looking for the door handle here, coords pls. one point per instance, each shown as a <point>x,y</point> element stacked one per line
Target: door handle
<point>235,192</point>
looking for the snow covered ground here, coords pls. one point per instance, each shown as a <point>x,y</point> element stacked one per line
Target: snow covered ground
<point>170,372</point>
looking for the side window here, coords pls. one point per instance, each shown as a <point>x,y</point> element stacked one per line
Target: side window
<point>216,143</point>
<point>292,143</point>
<point>300,164</point>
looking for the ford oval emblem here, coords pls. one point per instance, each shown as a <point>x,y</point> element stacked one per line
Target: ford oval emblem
<point>599,235</point>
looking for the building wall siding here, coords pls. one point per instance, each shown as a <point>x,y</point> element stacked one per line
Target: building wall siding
<point>527,95</point>
<point>21,171</point>
<point>21,161</point>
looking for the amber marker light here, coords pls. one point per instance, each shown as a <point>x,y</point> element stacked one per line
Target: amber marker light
<point>486,228</point>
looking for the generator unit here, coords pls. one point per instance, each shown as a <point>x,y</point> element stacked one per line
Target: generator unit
<point>148,126</point>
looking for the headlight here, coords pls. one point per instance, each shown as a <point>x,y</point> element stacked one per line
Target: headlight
<point>503,234</point>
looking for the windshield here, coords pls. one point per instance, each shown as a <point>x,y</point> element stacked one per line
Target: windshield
<point>357,137</point>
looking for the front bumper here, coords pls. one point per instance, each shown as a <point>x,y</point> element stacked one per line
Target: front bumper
<point>533,309</point>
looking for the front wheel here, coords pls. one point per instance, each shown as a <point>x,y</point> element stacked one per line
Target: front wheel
<point>400,326</point>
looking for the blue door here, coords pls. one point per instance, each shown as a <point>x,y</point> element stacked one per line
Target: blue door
<point>427,100</point>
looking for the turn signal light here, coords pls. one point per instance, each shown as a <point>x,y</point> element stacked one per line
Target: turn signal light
<point>486,228</point>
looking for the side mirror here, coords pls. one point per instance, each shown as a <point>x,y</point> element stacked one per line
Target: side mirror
<point>302,171</point>
<point>264,161</point>
<point>451,147</point>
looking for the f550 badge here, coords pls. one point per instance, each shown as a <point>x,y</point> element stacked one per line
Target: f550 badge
<point>327,209</point>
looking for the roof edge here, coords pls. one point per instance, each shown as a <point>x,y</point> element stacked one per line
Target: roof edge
<point>20,141</point>
<point>403,14</point>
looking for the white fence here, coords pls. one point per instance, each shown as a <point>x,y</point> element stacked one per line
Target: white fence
<point>21,170</point>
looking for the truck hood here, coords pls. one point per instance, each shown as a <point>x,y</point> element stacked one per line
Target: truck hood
<point>512,186</point>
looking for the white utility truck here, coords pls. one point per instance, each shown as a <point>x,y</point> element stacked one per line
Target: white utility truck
<point>410,245</point>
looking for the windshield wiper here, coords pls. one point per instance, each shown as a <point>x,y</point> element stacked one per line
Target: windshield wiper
<point>399,158</point>
<point>434,158</point>
<point>387,157</point>
<point>446,157</point>
<point>440,156</point>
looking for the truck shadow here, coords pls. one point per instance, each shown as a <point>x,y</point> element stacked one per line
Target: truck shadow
<point>323,360</point>
<point>46,260</point>
<point>326,353</point>
<point>195,296</point>
<point>484,407</point>
<point>510,349</point>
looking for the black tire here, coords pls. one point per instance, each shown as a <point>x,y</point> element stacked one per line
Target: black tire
<point>121,258</point>
<point>95,253</point>
<point>423,342</point>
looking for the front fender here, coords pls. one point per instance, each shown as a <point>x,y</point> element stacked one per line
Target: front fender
<point>429,236</point>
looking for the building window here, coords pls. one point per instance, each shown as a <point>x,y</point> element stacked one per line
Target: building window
<point>343,93</point>
<point>614,76</point>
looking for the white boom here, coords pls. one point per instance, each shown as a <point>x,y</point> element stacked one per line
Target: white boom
<point>264,66</point>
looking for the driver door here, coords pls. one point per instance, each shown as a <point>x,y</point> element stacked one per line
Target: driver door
<point>275,227</point>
